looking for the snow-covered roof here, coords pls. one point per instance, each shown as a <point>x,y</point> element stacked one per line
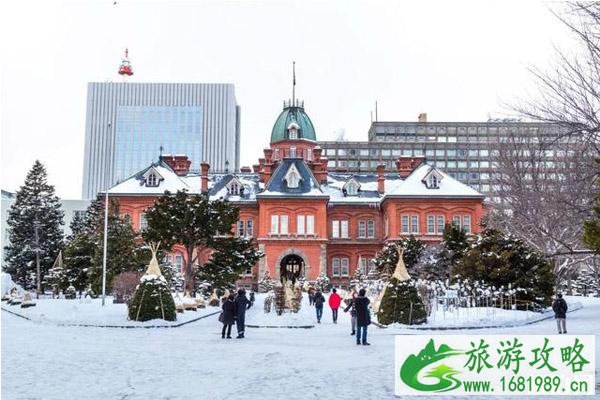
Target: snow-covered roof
<point>411,187</point>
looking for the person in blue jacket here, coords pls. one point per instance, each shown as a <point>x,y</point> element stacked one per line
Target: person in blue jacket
<point>241,305</point>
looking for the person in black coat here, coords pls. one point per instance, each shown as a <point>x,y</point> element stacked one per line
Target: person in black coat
<point>363,317</point>
<point>319,300</point>
<point>228,316</point>
<point>559,306</point>
<point>241,305</point>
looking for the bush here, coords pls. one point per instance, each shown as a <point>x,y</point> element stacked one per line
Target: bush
<point>152,300</point>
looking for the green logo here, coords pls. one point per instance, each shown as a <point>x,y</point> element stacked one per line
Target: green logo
<point>409,372</point>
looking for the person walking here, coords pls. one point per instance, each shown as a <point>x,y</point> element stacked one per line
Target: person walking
<point>241,305</point>
<point>334,302</point>
<point>319,300</point>
<point>311,296</point>
<point>227,316</point>
<point>559,306</point>
<point>351,306</point>
<point>363,317</point>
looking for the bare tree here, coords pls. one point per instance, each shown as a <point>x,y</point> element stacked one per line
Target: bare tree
<point>569,93</point>
<point>543,188</point>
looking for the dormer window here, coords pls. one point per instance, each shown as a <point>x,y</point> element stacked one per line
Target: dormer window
<point>432,179</point>
<point>152,180</point>
<point>293,129</point>
<point>292,177</point>
<point>351,188</point>
<point>235,187</point>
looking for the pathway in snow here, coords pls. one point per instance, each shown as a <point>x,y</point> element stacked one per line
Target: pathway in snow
<point>193,362</point>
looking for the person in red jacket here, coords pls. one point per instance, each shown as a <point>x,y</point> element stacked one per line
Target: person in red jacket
<point>334,302</point>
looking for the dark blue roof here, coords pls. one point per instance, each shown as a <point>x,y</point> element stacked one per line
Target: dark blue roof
<point>308,182</point>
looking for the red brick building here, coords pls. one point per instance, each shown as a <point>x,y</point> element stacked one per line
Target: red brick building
<point>308,221</point>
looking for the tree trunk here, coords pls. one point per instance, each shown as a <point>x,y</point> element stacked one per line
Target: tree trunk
<point>188,275</point>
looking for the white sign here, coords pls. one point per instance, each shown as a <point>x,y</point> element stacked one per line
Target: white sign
<point>495,365</point>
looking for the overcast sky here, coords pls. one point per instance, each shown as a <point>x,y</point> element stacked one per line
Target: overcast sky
<point>454,60</point>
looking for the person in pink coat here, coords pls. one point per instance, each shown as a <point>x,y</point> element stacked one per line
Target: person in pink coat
<point>334,302</point>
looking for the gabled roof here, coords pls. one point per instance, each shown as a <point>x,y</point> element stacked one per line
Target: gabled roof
<point>135,184</point>
<point>411,187</point>
<point>277,185</point>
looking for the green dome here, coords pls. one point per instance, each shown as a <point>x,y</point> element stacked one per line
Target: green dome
<point>293,115</point>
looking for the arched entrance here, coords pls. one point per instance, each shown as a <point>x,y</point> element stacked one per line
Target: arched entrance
<point>291,268</point>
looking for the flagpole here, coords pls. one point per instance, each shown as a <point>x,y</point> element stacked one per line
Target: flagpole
<point>294,84</point>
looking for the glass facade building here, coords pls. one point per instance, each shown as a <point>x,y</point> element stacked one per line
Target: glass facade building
<point>128,122</point>
<point>142,131</point>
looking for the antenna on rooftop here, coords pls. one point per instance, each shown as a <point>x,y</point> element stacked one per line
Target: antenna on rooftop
<point>293,83</point>
<point>376,119</point>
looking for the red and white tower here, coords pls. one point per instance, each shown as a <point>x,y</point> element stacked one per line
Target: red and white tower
<point>125,70</point>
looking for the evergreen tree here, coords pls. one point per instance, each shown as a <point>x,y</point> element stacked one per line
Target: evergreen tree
<point>438,264</point>
<point>358,279</point>
<point>387,258</point>
<point>401,304</point>
<point>172,275</point>
<point>152,300</point>
<point>35,203</point>
<point>78,257</point>
<point>56,278</point>
<point>123,254</point>
<point>506,262</point>
<point>77,225</point>
<point>192,221</point>
<point>230,258</point>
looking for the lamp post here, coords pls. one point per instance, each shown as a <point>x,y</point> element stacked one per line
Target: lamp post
<point>36,227</point>
<point>104,250</point>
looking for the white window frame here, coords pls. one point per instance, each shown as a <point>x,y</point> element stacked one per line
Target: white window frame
<point>152,180</point>
<point>274,224</point>
<point>335,266</point>
<point>344,229</point>
<point>335,229</point>
<point>414,224</point>
<point>300,228</point>
<point>249,227</point>
<point>440,224</point>
<point>370,228</point>
<point>344,266</point>
<point>456,221</point>
<point>178,262</point>
<point>143,222</point>
<point>283,224</point>
<point>362,229</point>
<point>310,224</point>
<point>405,223</point>
<point>240,232</point>
<point>431,224</point>
<point>467,224</point>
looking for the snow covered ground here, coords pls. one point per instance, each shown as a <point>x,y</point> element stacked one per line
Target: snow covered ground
<point>45,361</point>
<point>90,312</point>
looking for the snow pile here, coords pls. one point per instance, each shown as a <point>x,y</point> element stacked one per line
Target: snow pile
<point>7,285</point>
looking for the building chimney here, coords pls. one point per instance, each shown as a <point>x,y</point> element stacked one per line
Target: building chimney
<point>380,179</point>
<point>204,167</point>
<point>268,155</point>
<point>423,117</point>
<point>317,152</point>
<point>406,165</point>
<point>179,163</point>
<point>245,170</point>
<point>256,168</point>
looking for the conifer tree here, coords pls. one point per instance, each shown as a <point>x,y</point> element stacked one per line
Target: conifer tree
<point>231,257</point>
<point>502,260</point>
<point>36,204</point>
<point>191,220</point>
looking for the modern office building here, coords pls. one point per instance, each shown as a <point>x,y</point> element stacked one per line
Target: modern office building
<point>464,150</point>
<point>129,125</point>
